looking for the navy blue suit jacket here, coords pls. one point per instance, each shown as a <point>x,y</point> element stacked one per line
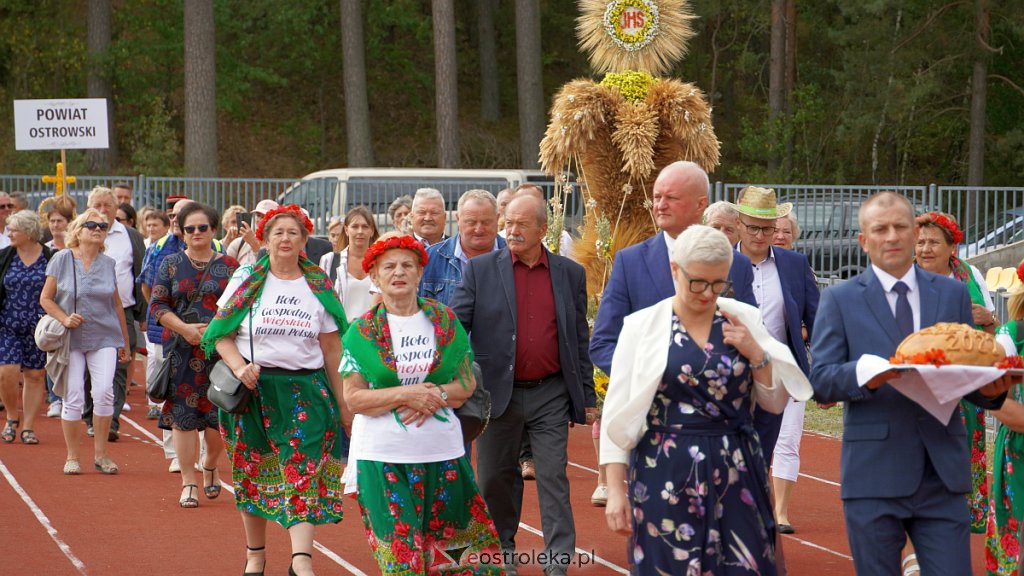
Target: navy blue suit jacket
<point>800,295</point>
<point>886,436</point>
<point>641,277</point>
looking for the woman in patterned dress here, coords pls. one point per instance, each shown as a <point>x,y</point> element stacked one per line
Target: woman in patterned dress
<point>24,272</point>
<point>277,329</point>
<point>406,366</point>
<point>936,252</point>
<point>184,314</point>
<point>678,418</point>
<point>1006,499</point>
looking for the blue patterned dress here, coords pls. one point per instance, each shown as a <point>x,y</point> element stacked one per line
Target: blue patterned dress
<point>698,480</point>
<point>20,312</point>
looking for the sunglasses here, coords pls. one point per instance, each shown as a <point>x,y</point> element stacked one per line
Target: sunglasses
<point>192,229</point>
<point>6,206</point>
<point>90,225</point>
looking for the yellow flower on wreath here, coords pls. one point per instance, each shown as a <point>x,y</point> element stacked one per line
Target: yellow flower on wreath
<point>632,84</point>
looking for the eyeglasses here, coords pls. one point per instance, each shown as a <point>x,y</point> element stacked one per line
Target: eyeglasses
<point>6,206</point>
<point>192,229</point>
<point>756,230</point>
<point>698,285</point>
<point>90,225</point>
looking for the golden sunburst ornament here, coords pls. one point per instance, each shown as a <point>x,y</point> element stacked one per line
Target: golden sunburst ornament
<point>645,35</point>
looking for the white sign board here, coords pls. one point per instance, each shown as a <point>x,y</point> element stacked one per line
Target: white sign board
<point>60,124</point>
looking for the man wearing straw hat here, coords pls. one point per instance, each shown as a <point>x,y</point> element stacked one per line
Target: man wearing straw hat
<point>788,296</point>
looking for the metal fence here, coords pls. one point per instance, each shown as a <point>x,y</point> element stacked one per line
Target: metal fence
<point>827,213</point>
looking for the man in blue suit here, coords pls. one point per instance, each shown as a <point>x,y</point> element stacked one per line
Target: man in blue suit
<point>783,285</point>
<point>903,471</point>
<point>641,276</point>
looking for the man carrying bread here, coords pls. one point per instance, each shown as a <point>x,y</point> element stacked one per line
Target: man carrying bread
<point>904,473</point>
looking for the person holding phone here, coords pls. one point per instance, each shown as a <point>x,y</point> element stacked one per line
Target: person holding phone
<point>246,247</point>
<point>229,223</point>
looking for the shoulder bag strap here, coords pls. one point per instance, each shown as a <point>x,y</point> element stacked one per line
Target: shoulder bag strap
<point>198,291</point>
<point>74,282</point>
<point>332,274</point>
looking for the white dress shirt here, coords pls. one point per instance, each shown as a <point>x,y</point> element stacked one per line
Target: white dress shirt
<point>119,247</point>
<point>768,292</point>
<point>5,240</point>
<point>914,295</point>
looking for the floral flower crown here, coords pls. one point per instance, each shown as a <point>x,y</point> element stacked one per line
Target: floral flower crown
<point>948,224</point>
<point>400,242</point>
<point>292,209</point>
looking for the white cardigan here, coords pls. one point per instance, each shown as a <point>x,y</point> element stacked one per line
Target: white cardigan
<point>638,366</point>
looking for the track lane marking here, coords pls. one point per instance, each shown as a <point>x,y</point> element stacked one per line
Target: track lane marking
<point>337,559</point>
<point>818,547</point>
<point>580,551</point>
<point>41,517</point>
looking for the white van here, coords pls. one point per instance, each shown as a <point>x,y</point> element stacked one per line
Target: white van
<point>330,193</point>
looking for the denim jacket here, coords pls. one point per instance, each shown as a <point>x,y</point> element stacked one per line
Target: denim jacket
<point>443,272</point>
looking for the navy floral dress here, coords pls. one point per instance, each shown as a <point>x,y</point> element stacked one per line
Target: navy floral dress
<point>20,312</point>
<point>188,408</point>
<point>698,480</point>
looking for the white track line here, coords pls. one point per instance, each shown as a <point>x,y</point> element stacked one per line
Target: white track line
<point>316,544</point>
<point>817,547</point>
<point>822,480</point>
<point>580,551</point>
<point>41,517</point>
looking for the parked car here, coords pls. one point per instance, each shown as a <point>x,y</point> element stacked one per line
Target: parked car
<point>1009,232</point>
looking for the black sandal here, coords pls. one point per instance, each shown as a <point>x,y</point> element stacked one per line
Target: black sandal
<point>189,501</point>
<point>212,490</point>
<point>291,571</point>
<point>260,549</point>
<point>9,431</point>
<point>29,437</point>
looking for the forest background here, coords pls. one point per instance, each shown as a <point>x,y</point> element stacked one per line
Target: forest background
<point>813,91</point>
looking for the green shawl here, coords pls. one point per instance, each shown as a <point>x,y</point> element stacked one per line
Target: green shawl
<point>369,349</point>
<point>229,317</point>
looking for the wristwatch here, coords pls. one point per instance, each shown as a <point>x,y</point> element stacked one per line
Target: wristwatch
<point>764,361</point>
<point>444,395</point>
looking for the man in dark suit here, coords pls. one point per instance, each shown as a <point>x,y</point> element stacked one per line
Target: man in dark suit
<point>784,287</point>
<point>903,471</point>
<point>640,275</point>
<point>526,311</point>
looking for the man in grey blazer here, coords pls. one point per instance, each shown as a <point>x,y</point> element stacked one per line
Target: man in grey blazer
<point>526,311</point>
<point>904,473</point>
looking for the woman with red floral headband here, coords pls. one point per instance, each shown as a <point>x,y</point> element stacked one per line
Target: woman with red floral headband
<point>937,240</point>
<point>406,367</point>
<point>277,329</point>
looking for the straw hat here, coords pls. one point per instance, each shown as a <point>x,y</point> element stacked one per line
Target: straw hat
<point>761,203</point>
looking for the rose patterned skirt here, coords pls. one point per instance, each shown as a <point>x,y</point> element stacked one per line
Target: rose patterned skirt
<point>414,512</point>
<point>285,454</point>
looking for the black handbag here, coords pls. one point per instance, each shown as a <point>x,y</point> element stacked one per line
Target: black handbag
<point>475,412</point>
<point>158,384</point>
<point>226,391</point>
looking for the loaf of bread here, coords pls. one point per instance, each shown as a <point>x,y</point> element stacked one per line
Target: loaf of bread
<point>960,343</point>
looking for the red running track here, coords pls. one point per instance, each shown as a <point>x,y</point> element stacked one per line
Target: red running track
<point>131,523</point>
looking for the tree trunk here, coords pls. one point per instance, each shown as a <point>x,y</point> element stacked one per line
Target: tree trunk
<point>490,105</point>
<point>979,92</point>
<point>200,89</point>
<point>359,138</point>
<point>446,91</point>
<point>790,82</point>
<point>98,22</point>
<point>777,73</point>
<point>529,80</point>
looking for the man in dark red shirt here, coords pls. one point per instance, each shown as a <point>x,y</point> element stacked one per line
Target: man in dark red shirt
<point>526,311</point>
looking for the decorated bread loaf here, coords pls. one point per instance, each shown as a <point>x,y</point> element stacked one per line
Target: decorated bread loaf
<point>959,343</point>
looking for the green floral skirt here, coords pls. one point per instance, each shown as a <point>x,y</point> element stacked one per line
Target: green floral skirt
<point>285,454</point>
<point>412,512</point>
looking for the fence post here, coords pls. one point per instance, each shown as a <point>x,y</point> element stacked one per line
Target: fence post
<point>934,200</point>
<point>718,192</point>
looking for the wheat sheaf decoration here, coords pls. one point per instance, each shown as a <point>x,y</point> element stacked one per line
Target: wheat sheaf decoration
<point>644,35</point>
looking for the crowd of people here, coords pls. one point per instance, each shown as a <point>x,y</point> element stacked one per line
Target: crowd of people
<point>360,350</point>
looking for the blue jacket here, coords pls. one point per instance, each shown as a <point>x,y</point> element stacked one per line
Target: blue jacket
<point>155,255</point>
<point>800,295</point>
<point>641,277</point>
<point>888,438</point>
<point>443,272</point>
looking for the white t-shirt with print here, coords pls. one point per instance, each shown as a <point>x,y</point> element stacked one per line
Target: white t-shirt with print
<point>382,438</point>
<point>287,319</point>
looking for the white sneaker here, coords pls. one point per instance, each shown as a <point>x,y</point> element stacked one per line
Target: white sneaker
<point>55,408</point>
<point>600,496</point>
<point>127,407</point>
<point>175,466</point>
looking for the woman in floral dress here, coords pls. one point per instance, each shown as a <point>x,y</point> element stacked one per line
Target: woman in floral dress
<point>406,366</point>
<point>1006,501</point>
<point>184,313</point>
<point>680,399</point>
<point>277,328</point>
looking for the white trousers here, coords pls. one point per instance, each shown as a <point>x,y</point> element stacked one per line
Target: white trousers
<point>786,464</point>
<point>155,352</point>
<point>101,365</point>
